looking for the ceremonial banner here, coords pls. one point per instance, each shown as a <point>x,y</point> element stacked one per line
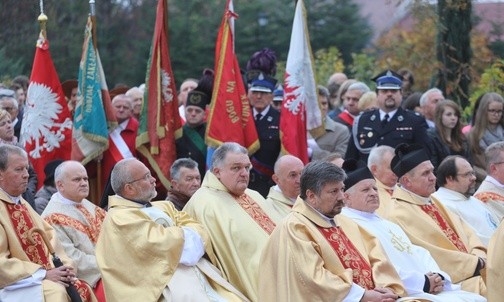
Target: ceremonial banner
<point>94,117</point>
<point>230,118</point>
<point>300,109</point>
<point>160,121</point>
<point>46,130</point>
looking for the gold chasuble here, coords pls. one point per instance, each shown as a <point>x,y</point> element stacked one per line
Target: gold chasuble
<point>495,275</point>
<point>19,258</point>
<point>309,259</point>
<point>492,196</point>
<point>239,227</point>
<point>385,195</point>
<point>451,242</point>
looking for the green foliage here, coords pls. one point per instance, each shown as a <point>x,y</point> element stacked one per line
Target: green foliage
<point>125,28</point>
<point>363,68</point>
<point>8,66</point>
<point>327,62</point>
<point>492,80</point>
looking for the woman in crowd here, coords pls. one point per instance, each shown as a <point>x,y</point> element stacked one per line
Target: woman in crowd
<point>447,138</point>
<point>487,129</point>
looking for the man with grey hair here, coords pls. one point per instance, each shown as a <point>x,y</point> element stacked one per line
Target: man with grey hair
<point>379,164</point>
<point>350,101</point>
<point>136,95</point>
<point>9,103</point>
<point>336,136</point>
<point>122,141</point>
<point>287,178</point>
<point>312,255</point>
<point>156,239</point>
<point>491,190</point>
<point>26,270</point>
<point>428,102</point>
<point>76,220</point>
<point>185,181</point>
<point>238,219</point>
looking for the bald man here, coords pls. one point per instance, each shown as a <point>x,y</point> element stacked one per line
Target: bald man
<point>287,178</point>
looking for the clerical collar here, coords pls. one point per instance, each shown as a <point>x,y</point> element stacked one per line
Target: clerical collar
<point>360,213</point>
<point>143,203</point>
<point>15,199</point>
<point>277,188</point>
<point>263,113</point>
<point>425,200</point>
<point>494,181</point>
<point>390,114</point>
<point>66,200</point>
<point>327,219</point>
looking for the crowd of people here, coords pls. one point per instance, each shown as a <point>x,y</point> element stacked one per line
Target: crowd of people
<point>400,202</point>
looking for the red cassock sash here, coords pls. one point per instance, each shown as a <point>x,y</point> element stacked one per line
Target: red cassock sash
<point>37,253</point>
<point>434,213</point>
<point>347,117</point>
<point>255,211</point>
<point>349,256</point>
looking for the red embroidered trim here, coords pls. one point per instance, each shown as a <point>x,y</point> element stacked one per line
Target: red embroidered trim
<point>349,256</point>
<point>489,196</point>
<point>255,211</point>
<point>22,222</point>
<point>433,212</point>
<point>92,230</point>
<point>84,290</point>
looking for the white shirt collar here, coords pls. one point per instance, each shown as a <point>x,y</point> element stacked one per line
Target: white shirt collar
<point>124,124</point>
<point>390,114</point>
<point>16,199</point>
<point>263,113</point>
<point>426,200</point>
<point>327,219</point>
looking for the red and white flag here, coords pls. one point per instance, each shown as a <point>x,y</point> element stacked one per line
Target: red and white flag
<point>46,131</point>
<point>300,109</point>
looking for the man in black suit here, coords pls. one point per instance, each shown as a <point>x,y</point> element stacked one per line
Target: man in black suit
<point>267,122</point>
<point>389,125</point>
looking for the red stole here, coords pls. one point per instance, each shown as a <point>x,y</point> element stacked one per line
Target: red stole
<point>489,196</point>
<point>37,253</point>
<point>22,222</point>
<point>349,256</point>
<point>255,211</point>
<point>346,117</point>
<point>91,229</point>
<point>434,213</point>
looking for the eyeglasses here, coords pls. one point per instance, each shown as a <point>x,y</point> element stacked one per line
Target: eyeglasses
<point>494,111</point>
<point>467,174</point>
<point>146,177</point>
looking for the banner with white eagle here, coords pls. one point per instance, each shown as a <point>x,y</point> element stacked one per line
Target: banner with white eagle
<point>300,110</point>
<point>46,130</point>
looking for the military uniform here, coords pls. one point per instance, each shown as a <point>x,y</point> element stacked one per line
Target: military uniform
<point>264,159</point>
<point>403,127</point>
<point>192,145</point>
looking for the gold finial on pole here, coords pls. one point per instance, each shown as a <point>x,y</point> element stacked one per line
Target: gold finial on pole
<point>42,19</point>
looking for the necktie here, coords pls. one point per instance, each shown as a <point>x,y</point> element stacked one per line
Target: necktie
<point>385,120</point>
<point>258,116</point>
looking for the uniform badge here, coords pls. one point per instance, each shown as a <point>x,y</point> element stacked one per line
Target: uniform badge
<point>370,134</point>
<point>270,118</point>
<point>373,117</point>
<point>400,118</point>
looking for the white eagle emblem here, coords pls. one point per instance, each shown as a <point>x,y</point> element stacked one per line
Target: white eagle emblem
<point>40,120</point>
<point>294,89</point>
<point>165,86</point>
